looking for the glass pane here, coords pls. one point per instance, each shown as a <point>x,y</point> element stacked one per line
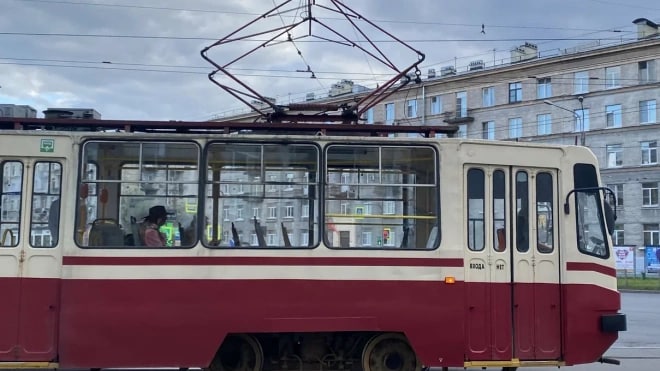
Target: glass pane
<point>544,213</point>
<point>45,217</point>
<point>499,221</point>
<point>476,205</point>
<point>11,200</point>
<point>386,192</point>
<point>255,194</point>
<point>522,210</point>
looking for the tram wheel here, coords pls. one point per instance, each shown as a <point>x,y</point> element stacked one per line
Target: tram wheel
<point>389,352</point>
<point>238,353</point>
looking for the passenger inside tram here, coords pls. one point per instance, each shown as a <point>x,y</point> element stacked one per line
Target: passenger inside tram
<point>149,230</point>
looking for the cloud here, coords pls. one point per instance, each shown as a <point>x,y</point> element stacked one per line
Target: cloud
<point>138,84</point>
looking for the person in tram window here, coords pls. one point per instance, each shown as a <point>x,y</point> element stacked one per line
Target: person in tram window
<point>149,229</point>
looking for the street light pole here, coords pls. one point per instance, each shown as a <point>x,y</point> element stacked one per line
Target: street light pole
<point>579,117</point>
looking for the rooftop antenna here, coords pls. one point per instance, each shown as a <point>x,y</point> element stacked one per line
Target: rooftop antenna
<point>269,110</point>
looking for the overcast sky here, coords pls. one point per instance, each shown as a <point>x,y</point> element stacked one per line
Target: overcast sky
<point>140,59</point>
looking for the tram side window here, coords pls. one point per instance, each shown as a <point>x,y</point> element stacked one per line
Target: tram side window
<point>476,207</point>
<point>46,193</point>
<point>10,208</point>
<point>122,181</point>
<point>590,222</point>
<point>381,196</point>
<point>544,213</point>
<point>499,217</point>
<point>522,211</point>
<point>262,195</point>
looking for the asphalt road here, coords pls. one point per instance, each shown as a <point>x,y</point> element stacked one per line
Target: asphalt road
<point>638,349</point>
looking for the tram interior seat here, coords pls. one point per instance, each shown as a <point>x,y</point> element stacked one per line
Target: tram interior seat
<point>106,232</point>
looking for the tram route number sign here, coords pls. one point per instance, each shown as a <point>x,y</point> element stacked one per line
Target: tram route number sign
<point>47,145</point>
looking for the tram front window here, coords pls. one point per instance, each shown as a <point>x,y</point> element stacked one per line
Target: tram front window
<point>590,220</point>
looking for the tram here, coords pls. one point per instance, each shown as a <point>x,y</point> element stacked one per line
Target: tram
<point>300,248</point>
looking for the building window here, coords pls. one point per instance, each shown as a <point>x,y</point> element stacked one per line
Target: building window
<point>515,128</point>
<point>612,77</point>
<point>617,235</point>
<point>649,153</point>
<point>225,213</point>
<point>367,208</point>
<point>515,92</point>
<point>614,155</point>
<point>436,105</point>
<point>304,238</point>
<point>647,112</point>
<point>389,113</point>
<point>271,239</point>
<point>461,104</point>
<point>488,131</point>
<point>462,131</point>
<point>305,211</point>
<point>651,234</point>
<point>544,123</point>
<point>272,212</point>
<point>618,193</point>
<point>488,96</point>
<point>366,238</point>
<point>369,116</point>
<point>543,88</point>
<point>581,82</point>
<point>255,213</point>
<point>289,211</point>
<point>646,72</point>
<point>613,115</point>
<point>344,209</point>
<point>581,120</point>
<point>239,213</point>
<point>650,194</point>
<point>411,108</point>
<point>389,207</point>
<point>254,241</point>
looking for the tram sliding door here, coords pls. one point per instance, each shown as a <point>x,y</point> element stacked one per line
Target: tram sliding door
<point>488,264</point>
<point>30,259</point>
<point>535,267</point>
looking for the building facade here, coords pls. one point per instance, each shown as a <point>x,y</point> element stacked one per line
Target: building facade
<point>72,113</point>
<point>605,98</point>
<point>15,110</point>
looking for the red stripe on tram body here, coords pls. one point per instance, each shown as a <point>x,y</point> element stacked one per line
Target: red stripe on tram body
<point>262,261</point>
<point>591,267</point>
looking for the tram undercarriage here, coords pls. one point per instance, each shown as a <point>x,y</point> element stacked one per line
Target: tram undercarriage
<point>348,351</point>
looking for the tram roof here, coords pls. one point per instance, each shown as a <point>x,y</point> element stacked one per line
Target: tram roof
<point>224,127</point>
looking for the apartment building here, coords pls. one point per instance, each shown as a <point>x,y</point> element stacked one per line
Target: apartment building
<point>603,97</point>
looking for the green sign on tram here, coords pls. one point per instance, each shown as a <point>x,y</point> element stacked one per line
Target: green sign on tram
<point>47,145</point>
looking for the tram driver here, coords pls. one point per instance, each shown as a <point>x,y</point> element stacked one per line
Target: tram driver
<point>149,228</point>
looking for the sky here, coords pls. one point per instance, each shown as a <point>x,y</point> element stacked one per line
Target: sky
<point>140,59</point>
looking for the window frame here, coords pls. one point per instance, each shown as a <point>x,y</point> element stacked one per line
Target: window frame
<point>543,88</point>
<point>515,92</point>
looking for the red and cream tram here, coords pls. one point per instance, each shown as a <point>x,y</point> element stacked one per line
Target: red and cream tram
<point>285,251</point>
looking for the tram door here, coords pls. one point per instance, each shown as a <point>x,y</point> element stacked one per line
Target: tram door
<point>488,264</point>
<point>30,258</point>
<point>535,265</point>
